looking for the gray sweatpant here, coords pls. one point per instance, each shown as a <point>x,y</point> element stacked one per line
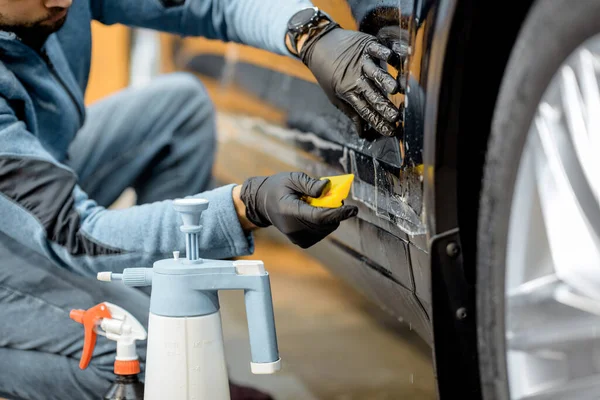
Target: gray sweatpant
<point>125,142</point>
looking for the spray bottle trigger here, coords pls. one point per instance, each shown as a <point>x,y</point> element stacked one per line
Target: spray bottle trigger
<point>124,329</point>
<point>89,319</point>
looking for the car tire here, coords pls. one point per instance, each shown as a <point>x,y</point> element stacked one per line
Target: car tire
<point>552,30</point>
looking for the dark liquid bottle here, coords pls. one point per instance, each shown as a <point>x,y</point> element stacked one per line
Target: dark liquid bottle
<point>125,387</point>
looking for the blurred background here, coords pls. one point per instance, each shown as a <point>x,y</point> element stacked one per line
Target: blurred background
<point>335,343</point>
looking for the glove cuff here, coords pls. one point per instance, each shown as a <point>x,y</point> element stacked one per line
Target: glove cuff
<point>313,39</point>
<point>248,195</point>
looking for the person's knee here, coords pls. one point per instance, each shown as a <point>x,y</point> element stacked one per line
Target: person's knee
<point>194,100</point>
<point>189,88</point>
<point>190,130</point>
<point>199,130</point>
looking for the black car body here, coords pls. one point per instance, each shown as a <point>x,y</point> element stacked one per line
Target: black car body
<point>413,247</point>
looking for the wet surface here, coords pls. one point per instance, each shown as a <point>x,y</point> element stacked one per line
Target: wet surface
<point>422,275</point>
<point>284,93</point>
<point>370,252</point>
<point>334,344</point>
<point>393,195</point>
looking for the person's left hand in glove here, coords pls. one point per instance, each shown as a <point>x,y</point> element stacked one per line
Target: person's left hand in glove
<point>277,200</point>
<point>345,64</point>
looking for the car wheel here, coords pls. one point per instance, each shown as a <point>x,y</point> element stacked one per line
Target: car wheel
<point>538,271</point>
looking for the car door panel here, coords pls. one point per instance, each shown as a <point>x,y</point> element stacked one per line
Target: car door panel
<point>272,117</point>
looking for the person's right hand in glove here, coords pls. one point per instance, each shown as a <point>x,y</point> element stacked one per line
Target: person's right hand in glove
<point>277,200</point>
<point>346,66</point>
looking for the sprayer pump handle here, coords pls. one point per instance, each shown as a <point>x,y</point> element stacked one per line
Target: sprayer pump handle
<point>89,319</point>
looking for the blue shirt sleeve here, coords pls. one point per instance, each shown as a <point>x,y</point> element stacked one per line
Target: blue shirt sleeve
<point>258,23</point>
<point>43,208</point>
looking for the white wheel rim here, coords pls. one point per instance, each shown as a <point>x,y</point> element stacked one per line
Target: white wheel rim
<point>553,248</point>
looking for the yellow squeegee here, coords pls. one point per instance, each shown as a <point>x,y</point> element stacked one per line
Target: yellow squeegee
<point>334,193</point>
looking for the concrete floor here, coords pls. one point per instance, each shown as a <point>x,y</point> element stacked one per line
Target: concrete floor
<point>334,344</point>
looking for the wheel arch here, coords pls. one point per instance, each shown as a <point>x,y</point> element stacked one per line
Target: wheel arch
<point>476,39</point>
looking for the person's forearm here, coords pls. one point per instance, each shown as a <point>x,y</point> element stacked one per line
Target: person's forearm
<point>301,39</point>
<point>240,209</point>
<point>261,24</point>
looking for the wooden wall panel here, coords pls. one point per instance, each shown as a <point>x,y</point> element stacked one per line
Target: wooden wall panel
<point>110,61</point>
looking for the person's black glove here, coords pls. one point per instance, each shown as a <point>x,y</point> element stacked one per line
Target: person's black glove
<point>276,200</point>
<point>344,64</point>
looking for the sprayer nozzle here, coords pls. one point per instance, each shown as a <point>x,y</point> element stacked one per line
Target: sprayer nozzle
<point>107,276</point>
<point>104,276</point>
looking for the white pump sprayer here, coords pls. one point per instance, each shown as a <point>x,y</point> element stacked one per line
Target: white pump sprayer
<point>185,356</point>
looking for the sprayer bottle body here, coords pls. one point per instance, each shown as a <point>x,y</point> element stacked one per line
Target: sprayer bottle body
<point>125,387</point>
<point>185,358</point>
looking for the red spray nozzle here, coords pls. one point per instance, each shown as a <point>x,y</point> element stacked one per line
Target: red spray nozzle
<point>89,318</point>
